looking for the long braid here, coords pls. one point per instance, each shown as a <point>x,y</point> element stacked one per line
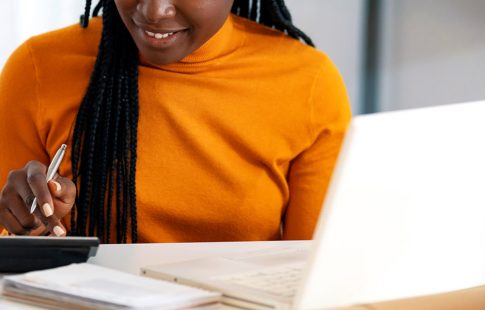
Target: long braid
<point>101,146</point>
<point>97,8</point>
<point>255,9</point>
<point>134,112</point>
<point>104,150</point>
<point>85,17</point>
<point>284,9</point>
<point>272,13</point>
<point>125,176</point>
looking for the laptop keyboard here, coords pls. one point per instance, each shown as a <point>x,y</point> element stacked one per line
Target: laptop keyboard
<point>281,281</point>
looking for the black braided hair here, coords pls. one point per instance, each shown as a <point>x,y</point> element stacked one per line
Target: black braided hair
<point>272,13</point>
<point>85,17</point>
<point>105,133</point>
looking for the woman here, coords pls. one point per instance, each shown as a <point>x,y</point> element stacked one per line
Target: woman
<point>184,122</point>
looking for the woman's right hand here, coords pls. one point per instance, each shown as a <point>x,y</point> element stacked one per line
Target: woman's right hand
<point>54,200</point>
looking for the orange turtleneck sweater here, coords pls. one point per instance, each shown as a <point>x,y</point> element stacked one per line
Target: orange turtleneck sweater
<point>235,142</point>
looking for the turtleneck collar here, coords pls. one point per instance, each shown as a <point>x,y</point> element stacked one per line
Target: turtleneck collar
<point>223,43</point>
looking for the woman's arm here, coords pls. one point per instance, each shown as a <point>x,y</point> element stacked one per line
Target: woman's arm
<point>23,156</point>
<point>21,136</point>
<point>310,172</point>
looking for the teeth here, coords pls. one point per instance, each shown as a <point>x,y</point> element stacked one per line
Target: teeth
<point>158,35</point>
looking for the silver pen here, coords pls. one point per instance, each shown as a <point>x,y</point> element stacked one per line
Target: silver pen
<point>51,171</point>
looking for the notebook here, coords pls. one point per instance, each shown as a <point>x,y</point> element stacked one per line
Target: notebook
<point>87,286</point>
<point>404,217</point>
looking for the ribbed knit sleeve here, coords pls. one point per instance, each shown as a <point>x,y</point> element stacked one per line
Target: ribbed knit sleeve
<point>20,113</point>
<point>311,171</point>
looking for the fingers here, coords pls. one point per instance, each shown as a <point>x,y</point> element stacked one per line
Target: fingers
<point>54,201</point>
<point>52,224</point>
<point>17,207</point>
<point>10,222</point>
<point>13,213</point>
<point>58,188</point>
<point>36,179</point>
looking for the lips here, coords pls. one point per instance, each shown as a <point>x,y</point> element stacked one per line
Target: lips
<point>153,30</point>
<point>160,40</point>
<point>159,35</point>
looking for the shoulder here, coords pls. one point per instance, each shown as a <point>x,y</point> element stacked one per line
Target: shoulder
<point>55,46</point>
<point>55,55</point>
<point>297,68</point>
<point>279,47</point>
<point>51,66</point>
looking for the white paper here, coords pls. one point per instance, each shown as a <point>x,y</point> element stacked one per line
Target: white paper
<point>89,283</point>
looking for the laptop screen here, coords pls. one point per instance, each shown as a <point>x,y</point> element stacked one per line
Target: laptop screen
<point>405,212</point>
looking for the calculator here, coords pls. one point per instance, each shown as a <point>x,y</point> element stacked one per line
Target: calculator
<point>22,254</point>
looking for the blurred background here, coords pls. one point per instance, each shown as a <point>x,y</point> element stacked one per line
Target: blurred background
<point>393,54</point>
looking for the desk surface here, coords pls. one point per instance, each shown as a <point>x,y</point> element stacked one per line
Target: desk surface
<point>131,257</point>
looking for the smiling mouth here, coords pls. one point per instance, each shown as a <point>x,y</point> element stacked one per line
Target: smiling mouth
<point>160,36</point>
<point>162,39</point>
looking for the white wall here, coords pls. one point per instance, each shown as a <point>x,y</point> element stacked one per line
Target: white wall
<point>434,53</point>
<point>336,27</point>
<point>21,19</point>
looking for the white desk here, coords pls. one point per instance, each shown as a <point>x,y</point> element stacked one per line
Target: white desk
<point>130,258</point>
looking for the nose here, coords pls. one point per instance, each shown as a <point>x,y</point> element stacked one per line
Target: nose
<point>155,10</point>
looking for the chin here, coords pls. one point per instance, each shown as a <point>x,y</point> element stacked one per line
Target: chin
<point>162,60</point>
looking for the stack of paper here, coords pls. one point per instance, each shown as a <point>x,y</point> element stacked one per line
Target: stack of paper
<point>86,286</point>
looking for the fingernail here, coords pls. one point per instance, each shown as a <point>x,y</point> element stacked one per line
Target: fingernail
<point>47,209</point>
<point>58,231</point>
<point>58,186</point>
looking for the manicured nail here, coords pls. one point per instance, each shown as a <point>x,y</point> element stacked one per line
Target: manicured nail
<point>58,186</point>
<point>47,209</point>
<point>58,231</point>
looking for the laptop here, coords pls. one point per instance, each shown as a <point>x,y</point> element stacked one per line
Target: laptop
<point>404,217</point>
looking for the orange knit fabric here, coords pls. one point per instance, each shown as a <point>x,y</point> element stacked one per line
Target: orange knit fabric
<point>235,142</point>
